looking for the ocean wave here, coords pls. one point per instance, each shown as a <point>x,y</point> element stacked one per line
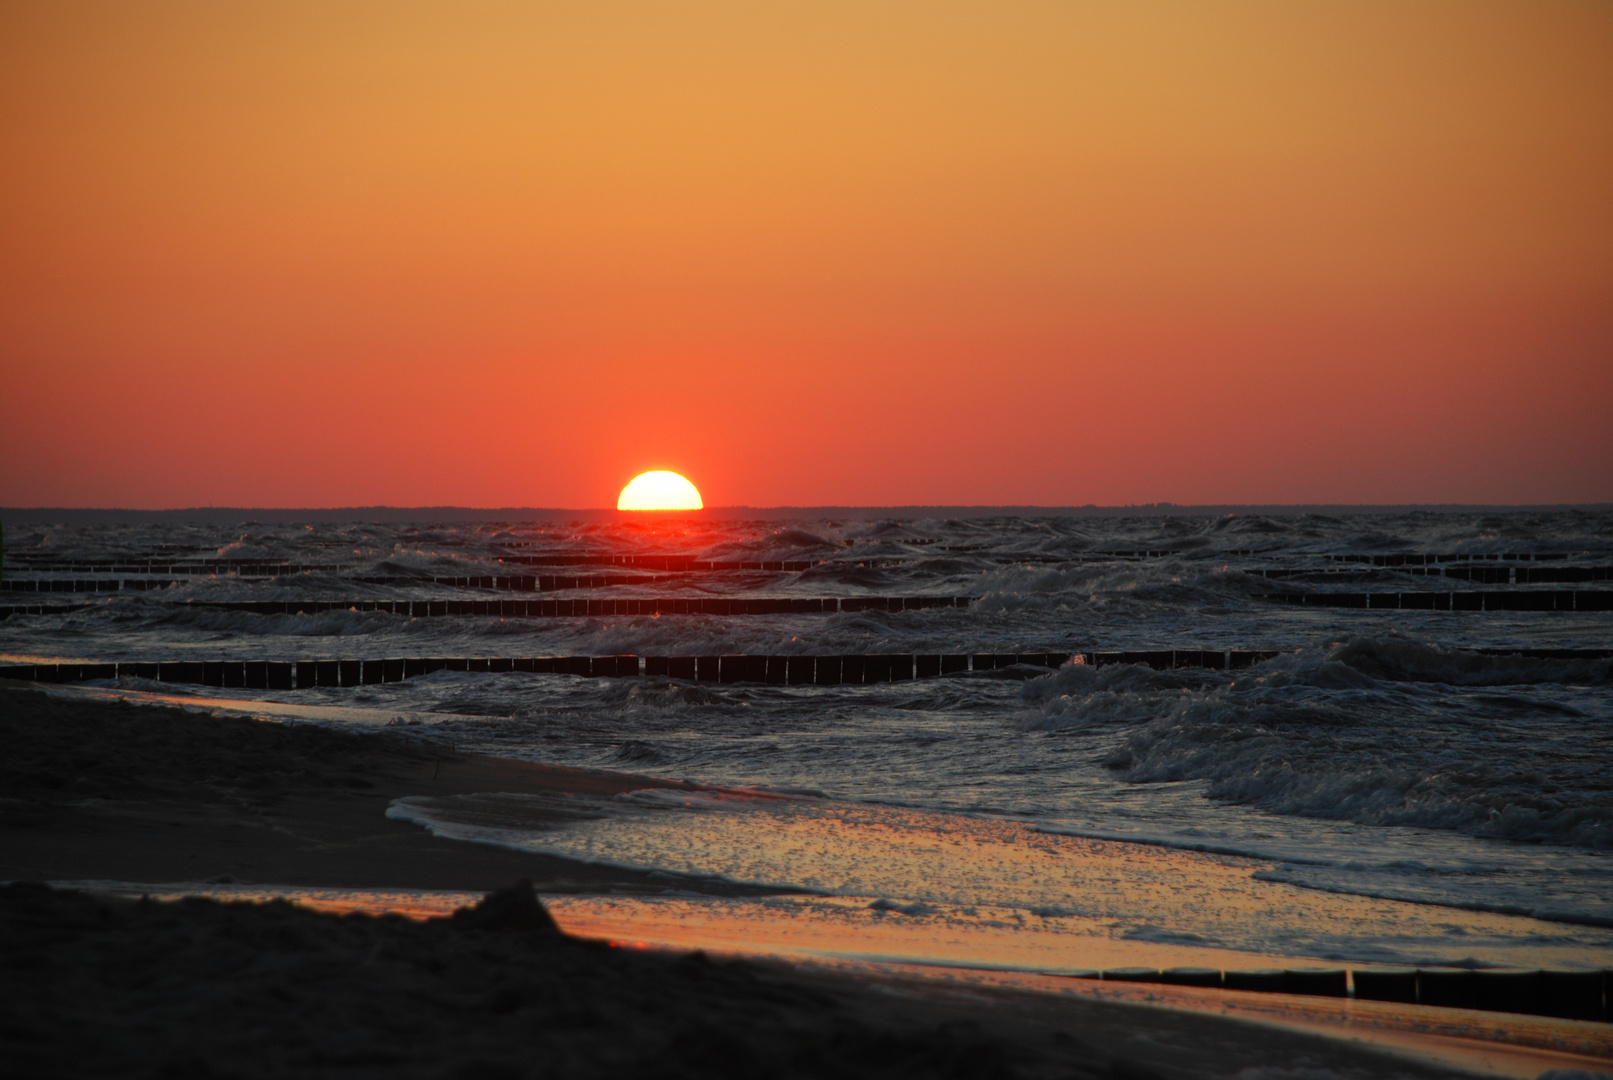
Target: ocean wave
<point>223,623</point>
<point>798,540</point>
<point>1174,584</point>
<point>1402,659</point>
<point>1415,891</point>
<point>1314,736</point>
<point>1351,728</point>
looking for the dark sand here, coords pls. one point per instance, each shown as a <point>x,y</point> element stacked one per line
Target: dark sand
<point>95,790</point>
<point>97,987</point>
<point>91,987</point>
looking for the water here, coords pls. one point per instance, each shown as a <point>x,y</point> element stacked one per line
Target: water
<point>1379,791</point>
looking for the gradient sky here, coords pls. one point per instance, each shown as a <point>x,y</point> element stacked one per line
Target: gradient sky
<point>486,254</point>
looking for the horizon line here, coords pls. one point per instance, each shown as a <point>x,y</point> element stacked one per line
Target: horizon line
<point>386,512</point>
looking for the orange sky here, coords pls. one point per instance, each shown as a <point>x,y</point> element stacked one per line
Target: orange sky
<point>490,254</point>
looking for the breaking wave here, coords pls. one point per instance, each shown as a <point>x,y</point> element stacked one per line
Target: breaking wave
<point>1356,733</point>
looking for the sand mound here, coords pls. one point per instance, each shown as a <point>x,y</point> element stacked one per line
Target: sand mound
<point>196,988</point>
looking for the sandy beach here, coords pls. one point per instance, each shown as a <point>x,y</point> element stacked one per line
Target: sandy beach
<point>112,791</point>
<point>806,540</point>
<point>115,791</point>
<point>198,989</point>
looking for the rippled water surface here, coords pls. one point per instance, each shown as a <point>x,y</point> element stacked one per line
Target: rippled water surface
<point>1380,755</point>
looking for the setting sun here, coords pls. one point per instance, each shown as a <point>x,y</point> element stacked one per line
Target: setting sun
<point>659,490</point>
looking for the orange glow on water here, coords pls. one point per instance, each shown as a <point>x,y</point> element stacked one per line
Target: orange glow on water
<point>659,490</point>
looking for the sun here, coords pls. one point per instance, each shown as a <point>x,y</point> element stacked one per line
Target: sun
<point>659,490</point>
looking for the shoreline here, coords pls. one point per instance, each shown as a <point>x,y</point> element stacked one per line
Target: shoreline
<point>347,815</point>
<point>494,991</point>
<point>1512,1044</point>
<point>524,777</point>
<point>226,799</point>
<point>105,792</point>
<point>61,515</point>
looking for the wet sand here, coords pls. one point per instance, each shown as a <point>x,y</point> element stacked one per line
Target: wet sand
<point>197,988</point>
<point>97,986</point>
<point>93,790</point>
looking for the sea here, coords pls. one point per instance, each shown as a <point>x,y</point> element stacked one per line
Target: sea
<point>1400,785</point>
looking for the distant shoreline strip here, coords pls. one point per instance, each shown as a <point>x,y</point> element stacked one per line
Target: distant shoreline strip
<point>1571,994</point>
<point>1547,600</point>
<point>839,670</point>
<point>591,607</point>
<point>1482,600</point>
<point>521,515</point>
<point>1478,575</point>
<point>1487,568</point>
<point>797,670</point>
